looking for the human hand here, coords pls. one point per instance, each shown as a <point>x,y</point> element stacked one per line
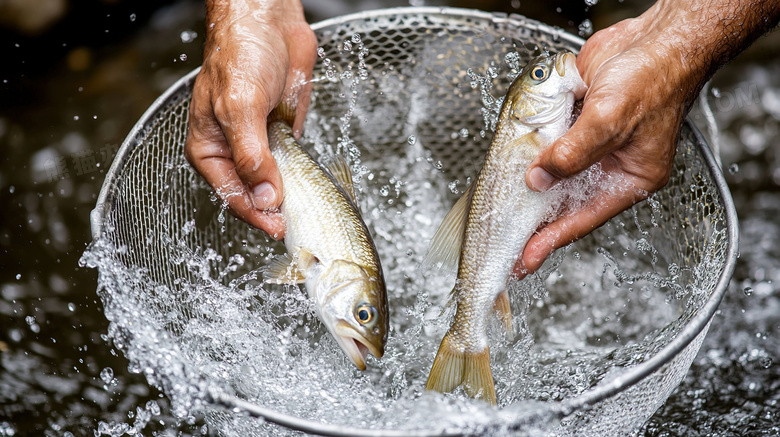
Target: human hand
<point>639,90</point>
<point>256,54</point>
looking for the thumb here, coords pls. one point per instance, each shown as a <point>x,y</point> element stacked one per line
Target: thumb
<point>256,166</point>
<point>591,137</point>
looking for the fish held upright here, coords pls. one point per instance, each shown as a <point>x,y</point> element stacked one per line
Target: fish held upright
<point>329,247</point>
<point>488,228</point>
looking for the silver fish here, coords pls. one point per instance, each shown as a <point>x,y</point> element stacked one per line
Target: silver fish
<point>328,245</point>
<point>490,225</point>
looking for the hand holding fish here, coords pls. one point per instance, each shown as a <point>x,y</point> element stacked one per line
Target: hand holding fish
<point>256,55</point>
<point>643,75</point>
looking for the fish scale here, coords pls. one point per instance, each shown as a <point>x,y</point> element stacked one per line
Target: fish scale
<point>328,246</point>
<point>498,214</point>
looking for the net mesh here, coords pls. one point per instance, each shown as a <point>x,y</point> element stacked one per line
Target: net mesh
<point>416,85</point>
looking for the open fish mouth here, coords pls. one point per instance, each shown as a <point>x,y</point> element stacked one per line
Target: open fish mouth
<point>356,346</point>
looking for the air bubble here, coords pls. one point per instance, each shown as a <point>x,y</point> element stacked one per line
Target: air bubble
<point>188,36</point>
<point>748,291</point>
<point>411,140</point>
<point>183,57</point>
<point>107,375</point>
<point>733,168</point>
<point>132,17</point>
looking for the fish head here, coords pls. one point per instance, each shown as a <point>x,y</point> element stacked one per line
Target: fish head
<point>353,307</point>
<point>545,90</point>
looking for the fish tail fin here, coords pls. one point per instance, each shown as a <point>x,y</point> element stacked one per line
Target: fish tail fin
<point>504,310</point>
<point>452,368</point>
<point>283,112</point>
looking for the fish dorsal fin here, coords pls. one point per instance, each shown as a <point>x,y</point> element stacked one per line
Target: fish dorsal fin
<point>338,168</point>
<point>446,242</point>
<point>283,270</point>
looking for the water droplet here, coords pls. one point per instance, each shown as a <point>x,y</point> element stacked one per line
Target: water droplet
<point>463,133</point>
<point>75,118</point>
<point>347,46</point>
<point>107,375</point>
<point>512,59</point>
<point>453,186</point>
<point>585,28</point>
<point>30,320</point>
<point>132,17</point>
<point>591,2</point>
<point>71,307</point>
<point>715,92</point>
<point>188,36</point>
<point>321,52</point>
<point>748,291</point>
<point>412,139</point>
<point>183,57</point>
<point>356,38</point>
<point>18,276</point>
<point>733,168</point>
<point>385,190</point>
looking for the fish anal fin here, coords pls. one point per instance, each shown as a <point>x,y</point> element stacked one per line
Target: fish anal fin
<point>504,310</point>
<point>453,367</point>
<point>338,168</point>
<point>283,270</point>
<point>445,245</point>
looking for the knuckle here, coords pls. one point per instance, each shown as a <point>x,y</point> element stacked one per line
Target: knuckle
<point>246,164</point>
<point>566,159</point>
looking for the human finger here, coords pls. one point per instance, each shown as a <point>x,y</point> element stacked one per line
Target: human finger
<point>220,172</point>
<point>597,131</point>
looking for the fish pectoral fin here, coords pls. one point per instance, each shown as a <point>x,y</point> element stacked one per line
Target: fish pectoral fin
<point>444,250</point>
<point>338,168</point>
<point>524,147</point>
<point>283,269</point>
<point>452,368</point>
<point>504,310</point>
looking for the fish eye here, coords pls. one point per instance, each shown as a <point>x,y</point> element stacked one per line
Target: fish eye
<point>365,314</point>
<point>539,72</point>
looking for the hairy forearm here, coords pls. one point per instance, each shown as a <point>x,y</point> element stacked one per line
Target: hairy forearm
<point>709,33</point>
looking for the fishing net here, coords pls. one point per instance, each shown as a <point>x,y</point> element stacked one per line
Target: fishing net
<point>606,330</point>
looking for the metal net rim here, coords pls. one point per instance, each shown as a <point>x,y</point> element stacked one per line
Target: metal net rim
<point>584,401</point>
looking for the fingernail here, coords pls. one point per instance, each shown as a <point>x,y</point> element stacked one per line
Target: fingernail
<point>264,196</point>
<point>541,180</point>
